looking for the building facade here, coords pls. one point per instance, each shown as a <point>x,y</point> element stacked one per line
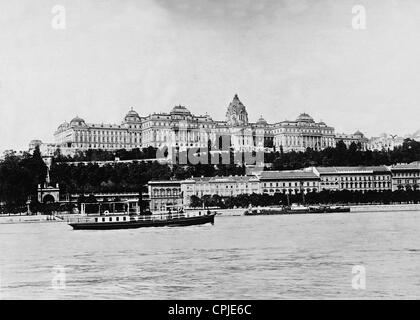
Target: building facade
<point>301,134</point>
<point>385,142</point>
<point>165,195</point>
<point>231,186</point>
<point>288,182</point>
<point>180,128</point>
<point>375,178</point>
<point>406,176</point>
<point>357,138</point>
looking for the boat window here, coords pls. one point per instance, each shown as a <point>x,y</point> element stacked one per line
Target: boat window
<point>103,219</point>
<point>96,219</point>
<point>118,218</point>
<point>124,218</point>
<point>110,219</point>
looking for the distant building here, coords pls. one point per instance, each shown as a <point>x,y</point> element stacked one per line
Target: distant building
<point>230,186</point>
<point>385,142</point>
<point>165,195</point>
<point>288,182</point>
<point>180,128</point>
<point>406,176</point>
<point>358,138</point>
<point>301,134</point>
<point>50,149</point>
<point>377,178</point>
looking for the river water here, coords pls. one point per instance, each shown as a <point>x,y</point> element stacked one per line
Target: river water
<point>259,257</point>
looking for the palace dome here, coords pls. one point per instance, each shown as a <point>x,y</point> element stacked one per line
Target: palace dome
<point>304,117</point>
<point>261,121</point>
<point>77,121</point>
<point>180,110</point>
<point>358,133</point>
<point>132,116</point>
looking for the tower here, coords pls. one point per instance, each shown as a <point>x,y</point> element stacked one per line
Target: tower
<point>236,114</point>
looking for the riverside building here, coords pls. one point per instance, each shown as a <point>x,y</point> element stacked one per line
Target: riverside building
<point>164,195</point>
<point>406,176</point>
<point>288,182</point>
<point>377,178</point>
<point>230,186</point>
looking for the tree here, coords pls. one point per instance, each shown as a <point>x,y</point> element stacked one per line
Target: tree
<point>195,201</point>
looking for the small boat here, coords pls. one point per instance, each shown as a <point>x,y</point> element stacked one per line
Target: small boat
<point>130,217</point>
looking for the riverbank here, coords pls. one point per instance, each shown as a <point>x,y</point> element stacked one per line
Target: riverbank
<point>385,207</point>
<point>6,219</point>
<point>231,212</point>
<point>66,217</point>
<point>353,208</point>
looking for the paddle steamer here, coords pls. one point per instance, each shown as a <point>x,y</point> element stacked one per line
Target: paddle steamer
<point>127,215</point>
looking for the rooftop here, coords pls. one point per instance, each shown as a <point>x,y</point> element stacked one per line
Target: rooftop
<point>287,175</point>
<point>218,179</point>
<point>407,166</point>
<point>359,169</point>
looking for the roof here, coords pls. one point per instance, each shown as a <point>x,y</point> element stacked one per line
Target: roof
<point>287,175</point>
<point>304,117</point>
<point>180,110</point>
<point>76,119</point>
<point>351,170</point>
<point>132,114</point>
<point>407,166</point>
<point>223,179</point>
<point>261,120</point>
<point>176,182</point>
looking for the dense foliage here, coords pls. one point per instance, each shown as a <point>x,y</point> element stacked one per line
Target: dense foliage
<point>408,152</point>
<point>323,197</point>
<point>19,175</point>
<point>104,155</point>
<point>19,178</point>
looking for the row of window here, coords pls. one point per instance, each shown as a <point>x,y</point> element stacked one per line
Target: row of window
<point>408,181</point>
<point>290,184</point>
<point>358,178</point>
<point>110,219</point>
<point>408,174</point>
<point>166,192</point>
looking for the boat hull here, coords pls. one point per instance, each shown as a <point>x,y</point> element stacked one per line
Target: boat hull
<point>186,221</point>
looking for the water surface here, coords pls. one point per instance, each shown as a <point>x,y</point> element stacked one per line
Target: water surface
<point>259,257</point>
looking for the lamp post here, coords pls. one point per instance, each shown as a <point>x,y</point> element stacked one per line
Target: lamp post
<point>28,202</point>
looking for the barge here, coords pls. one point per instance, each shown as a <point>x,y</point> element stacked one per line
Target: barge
<point>295,209</point>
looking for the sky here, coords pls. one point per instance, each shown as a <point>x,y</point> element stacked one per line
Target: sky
<point>282,57</point>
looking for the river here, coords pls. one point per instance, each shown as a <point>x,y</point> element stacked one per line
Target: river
<point>239,257</point>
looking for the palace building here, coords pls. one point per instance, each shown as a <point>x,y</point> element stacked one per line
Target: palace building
<point>357,138</point>
<point>181,128</point>
<point>301,134</point>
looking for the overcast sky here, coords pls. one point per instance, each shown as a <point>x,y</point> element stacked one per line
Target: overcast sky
<point>282,57</point>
